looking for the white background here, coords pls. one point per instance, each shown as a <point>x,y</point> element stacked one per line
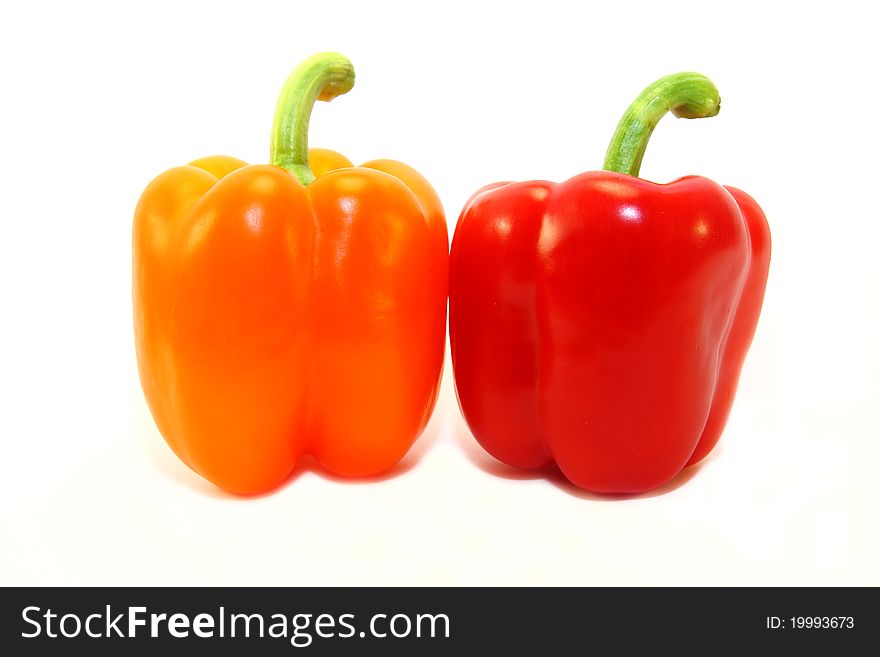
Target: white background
<point>97,99</point>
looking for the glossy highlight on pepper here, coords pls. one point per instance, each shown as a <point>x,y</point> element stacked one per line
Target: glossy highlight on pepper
<point>601,324</point>
<point>292,308</point>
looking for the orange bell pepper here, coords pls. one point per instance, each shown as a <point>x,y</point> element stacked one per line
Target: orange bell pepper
<point>291,308</point>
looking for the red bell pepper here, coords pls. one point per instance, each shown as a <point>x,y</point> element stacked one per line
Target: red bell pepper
<point>602,323</point>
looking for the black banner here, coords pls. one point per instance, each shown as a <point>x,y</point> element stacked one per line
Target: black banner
<point>407,621</point>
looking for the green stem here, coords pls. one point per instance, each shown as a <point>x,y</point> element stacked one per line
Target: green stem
<point>321,77</point>
<point>687,95</point>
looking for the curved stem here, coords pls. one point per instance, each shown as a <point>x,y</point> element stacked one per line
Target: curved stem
<point>686,95</point>
<point>321,77</point>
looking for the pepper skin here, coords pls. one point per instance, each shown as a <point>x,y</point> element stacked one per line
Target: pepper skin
<point>291,308</point>
<point>602,323</point>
